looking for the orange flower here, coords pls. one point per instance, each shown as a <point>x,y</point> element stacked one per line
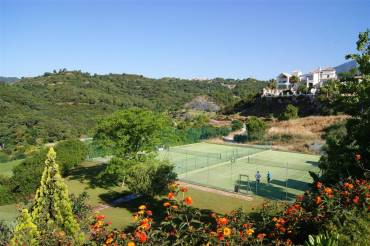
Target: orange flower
<point>274,219</point>
<point>149,212</point>
<point>175,207</point>
<point>183,189</point>
<point>145,226</point>
<point>109,240</point>
<point>166,204</point>
<point>99,217</point>
<point>142,207</point>
<point>222,221</point>
<point>288,242</point>
<point>318,200</point>
<point>328,191</point>
<point>345,193</point>
<point>249,231</point>
<point>281,221</point>
<point>356,199</point>
<point>171,195</point>
<point>131,243</point>
<point>282,229</point>
<point>261,236</point>
<point>141,236</point>
<point>227,231</point>
<point>318,185</point>
<point>348,186</point>
<point>188,200</point>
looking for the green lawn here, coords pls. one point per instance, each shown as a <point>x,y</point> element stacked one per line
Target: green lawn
<point>85,178</point>
<point>6,167</point>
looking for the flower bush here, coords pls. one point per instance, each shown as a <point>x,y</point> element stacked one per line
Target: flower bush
<point>310,214</point>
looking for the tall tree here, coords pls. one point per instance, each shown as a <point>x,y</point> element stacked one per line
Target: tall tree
<point>350,155</point>
<point>131,132</point>
<point>25,232</point>
<point>52,208</point>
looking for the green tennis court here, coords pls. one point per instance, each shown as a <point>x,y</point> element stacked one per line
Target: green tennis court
<point>221,166</point>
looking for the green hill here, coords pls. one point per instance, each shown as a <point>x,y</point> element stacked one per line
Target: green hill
<point>63,104</point>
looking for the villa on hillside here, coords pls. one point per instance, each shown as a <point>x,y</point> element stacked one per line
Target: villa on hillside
<point>313,81</point>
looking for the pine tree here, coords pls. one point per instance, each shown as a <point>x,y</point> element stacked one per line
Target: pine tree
<point>26,232</point>
<point>52,208</point>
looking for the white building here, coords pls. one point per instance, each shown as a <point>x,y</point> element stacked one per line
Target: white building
<point>318,77</point>
<point>283,80</point>
<point>313,79</point>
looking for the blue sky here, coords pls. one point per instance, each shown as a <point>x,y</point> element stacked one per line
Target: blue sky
<point>194,38</point>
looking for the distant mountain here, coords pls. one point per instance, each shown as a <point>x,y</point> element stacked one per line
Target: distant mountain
<point>8,79</point>
<point>345,67</point>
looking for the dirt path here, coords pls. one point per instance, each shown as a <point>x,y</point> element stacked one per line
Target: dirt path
<point>215,191</point>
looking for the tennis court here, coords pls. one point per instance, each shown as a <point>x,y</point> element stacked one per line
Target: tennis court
<point>225,166</point>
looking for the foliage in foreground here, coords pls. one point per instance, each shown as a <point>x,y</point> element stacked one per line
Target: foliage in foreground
<point>352,95</point>
<point>335,211</point>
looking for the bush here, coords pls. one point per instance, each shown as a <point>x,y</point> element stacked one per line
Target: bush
<point>6,195</point>
<point>70,154</point>
<point>4,157</point>
<point>256,128</point>
<point>236,125</point>
<point>149,178</point>
<point>27,175</point>
<point>6,232</point>
<point>291,112</point>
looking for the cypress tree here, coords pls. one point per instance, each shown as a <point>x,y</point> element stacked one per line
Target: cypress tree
<point>26,232</point>
<point>52,208</point>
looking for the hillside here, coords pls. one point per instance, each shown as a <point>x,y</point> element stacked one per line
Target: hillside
<point>268,106</point>
<point>68,103</point>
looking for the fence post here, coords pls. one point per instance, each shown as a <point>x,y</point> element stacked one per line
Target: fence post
<point>286,181</point>
<point>207,170</point>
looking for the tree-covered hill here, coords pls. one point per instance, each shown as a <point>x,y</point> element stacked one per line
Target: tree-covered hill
<point>66,104</point>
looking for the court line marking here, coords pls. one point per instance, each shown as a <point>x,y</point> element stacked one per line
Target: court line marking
<point>219,164</point>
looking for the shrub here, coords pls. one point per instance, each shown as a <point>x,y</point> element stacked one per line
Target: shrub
<point>291,112</point>
<point>256,128</point>
<point>70,154</point>
<point>6,195</point>
<point>149,178</point>
<point>4,157</point>
<point>26,176</point>
<point>236,125</point>
<point>6,232</point>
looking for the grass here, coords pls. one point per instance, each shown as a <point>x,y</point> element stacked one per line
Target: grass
<point>86,178</point>
<point>8,212</point>
<point>6,167</point>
